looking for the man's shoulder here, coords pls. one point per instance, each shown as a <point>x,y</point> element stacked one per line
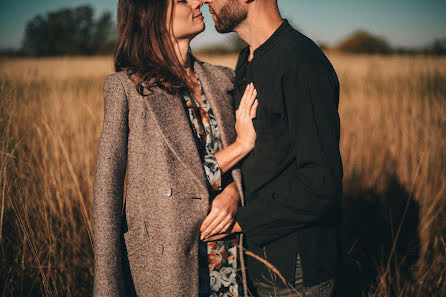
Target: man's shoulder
<point>300,48</point>
<point>304,55</point>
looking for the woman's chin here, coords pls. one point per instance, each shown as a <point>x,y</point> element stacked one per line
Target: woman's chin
<point>192,33</point>
<point>198,31</point>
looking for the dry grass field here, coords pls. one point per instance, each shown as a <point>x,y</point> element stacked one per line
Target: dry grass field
<point>393,144</point>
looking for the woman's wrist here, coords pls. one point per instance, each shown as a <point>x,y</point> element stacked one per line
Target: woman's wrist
<point>235,194</point>
<point>244,146</point>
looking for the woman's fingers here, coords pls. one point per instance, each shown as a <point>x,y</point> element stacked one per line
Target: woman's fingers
<point>247,102</point>
<point>243,102</point>
<point>215,237</point>
<point>215,218</point>
<point>221,227</point>
<point>250,102</point>
<point>207,222</point>
<point>227,227</point>
<point>253,111</point>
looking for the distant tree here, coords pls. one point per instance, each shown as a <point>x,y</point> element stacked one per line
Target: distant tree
<point>232,46</point>
<point>102,39</point>
<point>69,31</point>
<point>36,37</point>
<point>438,47</point>
<point>364,43</point>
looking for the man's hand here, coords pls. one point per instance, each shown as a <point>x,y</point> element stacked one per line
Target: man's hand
<point>223,210</point>
<point>235,228</point>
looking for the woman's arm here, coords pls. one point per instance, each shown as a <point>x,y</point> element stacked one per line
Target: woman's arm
<point>108,190</point>
<point>225,205</point>
<point>246,135</point>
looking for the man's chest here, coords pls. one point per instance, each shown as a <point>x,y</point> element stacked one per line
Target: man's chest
<point>268,81</point>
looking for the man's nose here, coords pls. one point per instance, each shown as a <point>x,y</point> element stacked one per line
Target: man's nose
<point>197,4</point>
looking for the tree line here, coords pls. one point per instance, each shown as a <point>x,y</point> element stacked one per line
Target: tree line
<point>75,31</point>
<point>69,31</point>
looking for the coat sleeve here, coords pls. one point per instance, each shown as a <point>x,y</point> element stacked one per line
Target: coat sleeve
<point>311,97</point>
<point>108,191</point>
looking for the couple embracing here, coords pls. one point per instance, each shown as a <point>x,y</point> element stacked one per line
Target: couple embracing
<point>217,163</point>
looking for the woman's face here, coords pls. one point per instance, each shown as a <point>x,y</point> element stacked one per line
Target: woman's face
<point>187,20</point>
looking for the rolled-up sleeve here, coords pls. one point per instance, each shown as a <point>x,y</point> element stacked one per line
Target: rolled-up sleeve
<point>213,171</point>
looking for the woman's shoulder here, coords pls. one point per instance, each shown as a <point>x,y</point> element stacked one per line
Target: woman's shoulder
<point>120,83</point>
<point>117,78</point>
<point>222,69</point>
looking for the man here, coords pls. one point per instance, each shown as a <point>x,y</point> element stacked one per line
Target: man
<point>293,177</point>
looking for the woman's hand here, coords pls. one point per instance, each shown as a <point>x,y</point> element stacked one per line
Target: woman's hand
<point>223,210</point>
<point>246,135</point>
<point>235,228</point>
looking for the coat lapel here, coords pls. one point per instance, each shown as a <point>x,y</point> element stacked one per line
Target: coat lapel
<point>172,119</point>
<point>216,87</point>
<point>173,122</point>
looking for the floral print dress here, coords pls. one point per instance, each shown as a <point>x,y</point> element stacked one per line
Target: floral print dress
<point>218,259</point>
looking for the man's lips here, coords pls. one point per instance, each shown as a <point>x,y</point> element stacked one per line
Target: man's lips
<point>212,12</point>
<point>198,15</point>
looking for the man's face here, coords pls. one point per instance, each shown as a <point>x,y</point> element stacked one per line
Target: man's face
<point>227,14</point>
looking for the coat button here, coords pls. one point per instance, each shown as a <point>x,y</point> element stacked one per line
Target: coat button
<point>160,249</point>
<point>168,192</point>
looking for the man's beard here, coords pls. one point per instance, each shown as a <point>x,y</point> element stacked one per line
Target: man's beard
<point>230,16</point>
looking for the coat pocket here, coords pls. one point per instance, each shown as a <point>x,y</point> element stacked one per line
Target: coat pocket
<point>136,238</point>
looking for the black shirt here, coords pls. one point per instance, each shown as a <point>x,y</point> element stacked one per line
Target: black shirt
<point>293,176</point>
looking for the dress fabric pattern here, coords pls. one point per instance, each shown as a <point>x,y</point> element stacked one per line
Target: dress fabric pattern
<point>218,259</point>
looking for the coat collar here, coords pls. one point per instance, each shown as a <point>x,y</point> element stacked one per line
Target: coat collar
<point>216,86</point>
<point>173,122</point>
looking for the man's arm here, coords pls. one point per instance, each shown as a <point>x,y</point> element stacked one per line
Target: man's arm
<point>311,98</point>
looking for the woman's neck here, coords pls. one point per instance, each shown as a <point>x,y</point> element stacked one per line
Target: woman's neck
<point>182,52</point>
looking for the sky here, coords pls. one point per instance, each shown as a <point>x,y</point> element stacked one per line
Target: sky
<point>410,23</point>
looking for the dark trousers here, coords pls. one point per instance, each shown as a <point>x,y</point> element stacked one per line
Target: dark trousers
<point>324,289</point>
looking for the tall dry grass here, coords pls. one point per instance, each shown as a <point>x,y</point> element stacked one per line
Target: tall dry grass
<point>393,143</point>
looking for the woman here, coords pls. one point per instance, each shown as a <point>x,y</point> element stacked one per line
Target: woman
<point>167,118</point>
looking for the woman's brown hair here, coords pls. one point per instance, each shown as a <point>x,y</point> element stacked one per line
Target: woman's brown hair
<point>144,48</point>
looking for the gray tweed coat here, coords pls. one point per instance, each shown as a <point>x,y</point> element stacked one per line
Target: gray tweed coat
<point>150,247</point>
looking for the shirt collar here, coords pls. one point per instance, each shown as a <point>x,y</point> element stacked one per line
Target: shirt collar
<point>269,43</point>
<point>264,47</point>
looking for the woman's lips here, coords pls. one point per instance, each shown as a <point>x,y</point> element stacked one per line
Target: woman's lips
<point>200,16</point>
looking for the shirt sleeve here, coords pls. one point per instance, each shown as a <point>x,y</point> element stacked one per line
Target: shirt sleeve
<point>213,171</point>
<point>311,98</point>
